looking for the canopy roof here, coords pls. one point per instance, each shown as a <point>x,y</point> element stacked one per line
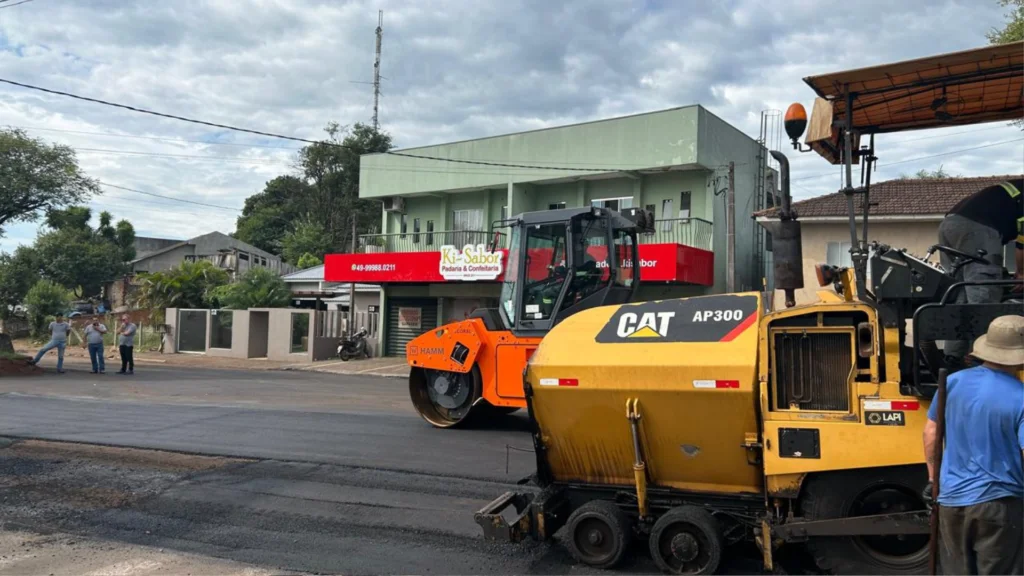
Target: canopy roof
<point>969,87</point>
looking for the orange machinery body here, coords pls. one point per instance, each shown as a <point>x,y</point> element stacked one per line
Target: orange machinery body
<point>499,355</point>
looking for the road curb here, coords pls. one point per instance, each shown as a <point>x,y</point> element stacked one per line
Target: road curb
<point>326,371</point>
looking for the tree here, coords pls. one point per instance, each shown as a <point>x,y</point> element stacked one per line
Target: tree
<point>308,260</point>
<point>257,288</point>
<point>308,237</point>
<point>268,216</point>
<point>18,272</point>
<point>190,285</point>
<point>36,176</point>
<point>74,255</point>
<point>1013,31</point>
<point>924,174</point>
<point>43,300</point>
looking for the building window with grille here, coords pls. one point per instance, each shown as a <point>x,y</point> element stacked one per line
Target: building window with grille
<point>838,254</point>
<point>556,206</point>
<point>429,236</point>
<point>684,204</point>
<point>415,230</point>
<point>667,210</point>
<point>504,212</point>
<point>617,204</point>
<point>405,225</point>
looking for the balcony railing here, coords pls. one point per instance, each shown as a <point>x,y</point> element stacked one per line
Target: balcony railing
<point>426,241</point>
<point>694,232</point>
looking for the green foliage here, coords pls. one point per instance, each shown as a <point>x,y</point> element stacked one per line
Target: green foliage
<point>923,174</point>
<point>267,217</point>
<point>36,176</point>
<point>80,258</point>
<point>308,237</point>
<point>1013,31</point>
<point>326,194</point>
<point>308,260</point>
<point>190,285</point>
<point>257,288</point>
<point>18,272</point>
<point>43,300</point>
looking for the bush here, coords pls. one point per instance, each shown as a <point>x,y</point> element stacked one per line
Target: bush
<point>257,288</point>
<point>308,260</point>
<point>43,300</point>
<point>190,285</point>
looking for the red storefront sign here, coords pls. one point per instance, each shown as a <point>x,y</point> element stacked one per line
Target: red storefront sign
<point>672,263</point>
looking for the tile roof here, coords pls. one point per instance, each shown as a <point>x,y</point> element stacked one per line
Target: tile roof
<point>908,197</point>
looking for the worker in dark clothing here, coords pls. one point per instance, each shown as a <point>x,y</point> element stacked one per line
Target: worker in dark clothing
<point>987,220</point>
<point>981,483</point>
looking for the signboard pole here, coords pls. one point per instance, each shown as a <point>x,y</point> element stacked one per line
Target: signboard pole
<point>352,287</point>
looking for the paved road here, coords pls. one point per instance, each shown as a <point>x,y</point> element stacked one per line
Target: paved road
<point>337,474</point>
<point>348,420</point>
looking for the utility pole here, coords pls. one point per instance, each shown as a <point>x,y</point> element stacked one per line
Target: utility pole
<point>376,71</point>
<point>730,231</point>
<point>352,286</point>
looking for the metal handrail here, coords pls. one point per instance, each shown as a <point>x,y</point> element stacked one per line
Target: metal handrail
<point>694,232</point>
<point>426,241</point>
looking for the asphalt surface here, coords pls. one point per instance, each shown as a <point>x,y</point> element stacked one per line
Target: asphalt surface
<point>331,474</point>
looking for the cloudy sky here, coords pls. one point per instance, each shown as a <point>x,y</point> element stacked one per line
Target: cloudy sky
<point>454,69</point>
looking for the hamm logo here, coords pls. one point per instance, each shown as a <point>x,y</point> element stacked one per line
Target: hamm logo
<point>645,325</point>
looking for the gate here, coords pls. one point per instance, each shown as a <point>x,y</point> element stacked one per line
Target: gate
<point>192,330</point>
<point>407,319</point>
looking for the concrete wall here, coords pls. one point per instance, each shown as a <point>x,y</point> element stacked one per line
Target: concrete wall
<point>915,236</point>
<point>239,335</point>
<point>145,245</point>
<point>171,341</point>
<point>280,331</point>
<point>663,138</point>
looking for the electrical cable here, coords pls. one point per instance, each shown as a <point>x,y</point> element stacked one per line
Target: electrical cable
<point>305,140</point>
<point>15,4</point>
<point>107,184</point>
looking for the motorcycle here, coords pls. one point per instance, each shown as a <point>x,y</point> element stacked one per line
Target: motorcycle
<point>354,347</point>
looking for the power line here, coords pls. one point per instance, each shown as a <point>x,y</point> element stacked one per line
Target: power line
<point>157,138</point>
<point>184,156</point>
<point>305,140</point>
<point>883,166</point>
<point>15,4</point>
<point>126,189</point>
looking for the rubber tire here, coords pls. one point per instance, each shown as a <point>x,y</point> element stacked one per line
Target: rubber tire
<point>829,495</point>
<point>420,399</point>
<point>699,519</point>
<point>345,356</point>
<point>611,515</point>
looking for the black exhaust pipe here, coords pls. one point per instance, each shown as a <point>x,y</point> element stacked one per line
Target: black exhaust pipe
<point>787,247</point>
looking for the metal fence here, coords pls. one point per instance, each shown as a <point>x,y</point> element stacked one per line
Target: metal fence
<point>695,232</point>
<point>426,241</point>
<point>334,323</point>
<point>148,335</point>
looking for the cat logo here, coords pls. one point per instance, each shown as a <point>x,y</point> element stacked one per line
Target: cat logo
<point>645,325</point>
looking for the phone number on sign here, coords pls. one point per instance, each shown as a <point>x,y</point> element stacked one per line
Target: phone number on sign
<point>374,267</point>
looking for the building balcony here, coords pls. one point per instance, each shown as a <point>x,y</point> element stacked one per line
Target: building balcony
<point>692,232</point>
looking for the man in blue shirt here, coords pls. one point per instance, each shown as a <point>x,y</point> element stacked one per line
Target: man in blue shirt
<point>981,484</point>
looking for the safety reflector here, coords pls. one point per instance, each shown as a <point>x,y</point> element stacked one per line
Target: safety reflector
<point>716,383</point>
<point>891,405</point>
<point>559,382</point>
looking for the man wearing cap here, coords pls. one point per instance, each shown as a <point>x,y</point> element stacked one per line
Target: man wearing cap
<point>981,484</point>
<point>986,220</point>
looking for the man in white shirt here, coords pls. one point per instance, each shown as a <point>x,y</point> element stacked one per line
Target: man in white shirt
<point>126,345</point>
<point>94,338</point>
<point>59,329</point>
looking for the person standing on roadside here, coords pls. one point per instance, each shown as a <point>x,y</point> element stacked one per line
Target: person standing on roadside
<point>59,329</point>
<point>126,345</point>
<point>981,484</point>
<point>94,338</point>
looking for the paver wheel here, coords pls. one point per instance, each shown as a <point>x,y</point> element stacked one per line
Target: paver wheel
<point>687,540</point>
<point>599,534</point>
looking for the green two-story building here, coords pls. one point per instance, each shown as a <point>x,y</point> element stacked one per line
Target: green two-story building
<point>675,163</point>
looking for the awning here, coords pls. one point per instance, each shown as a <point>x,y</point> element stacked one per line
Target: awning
<point>969,87</point>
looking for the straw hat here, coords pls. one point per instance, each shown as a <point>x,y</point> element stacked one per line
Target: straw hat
<point>1004,342</point>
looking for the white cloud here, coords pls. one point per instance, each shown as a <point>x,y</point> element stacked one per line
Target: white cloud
<point>454,69</point>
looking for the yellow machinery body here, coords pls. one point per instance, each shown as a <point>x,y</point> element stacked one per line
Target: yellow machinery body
<point>713,415</point>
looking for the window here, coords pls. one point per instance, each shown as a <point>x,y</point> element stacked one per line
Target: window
<point>556,206</point>
<point>545,270</point>
<point>624,255</point>
<point>684,204</point>
<point>463,222</point>
<point>220,328</point>
<point>405,225</point>
<point>300,333</point>
<point>504,212</point>
<point>838,254</point>
<point>667,214</point>
<point>617,204</point>
<point>430,233</point>
<point>415,230</point>
<point>590,263</point>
